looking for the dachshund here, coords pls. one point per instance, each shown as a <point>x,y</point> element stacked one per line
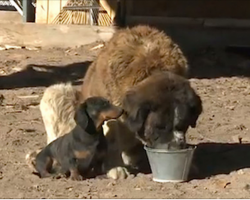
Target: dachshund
<point>82,148</point>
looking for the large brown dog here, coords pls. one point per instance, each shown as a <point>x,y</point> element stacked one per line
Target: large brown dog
<point>160,108</point>
<point>139,69</point>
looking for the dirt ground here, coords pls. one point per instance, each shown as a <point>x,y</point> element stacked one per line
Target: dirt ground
<point>222,132</point>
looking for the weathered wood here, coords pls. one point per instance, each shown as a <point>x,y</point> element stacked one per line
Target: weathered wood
<point>130,20</point>
<point>227,23</point>
<point>109,6</point>
<point>47,10</point>
<point>197,22</point>
<point>189,8</point>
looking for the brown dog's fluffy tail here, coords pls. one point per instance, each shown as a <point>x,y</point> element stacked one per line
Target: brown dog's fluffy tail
<point>31,159</point>
<point>57,107</point>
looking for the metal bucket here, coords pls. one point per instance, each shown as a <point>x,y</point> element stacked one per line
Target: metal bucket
<point>168,165</point>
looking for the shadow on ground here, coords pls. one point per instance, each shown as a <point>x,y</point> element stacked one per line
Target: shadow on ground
<point>219,158</point>
<point>215,63</point>
<point>44,75</point>
<point>212,159</point>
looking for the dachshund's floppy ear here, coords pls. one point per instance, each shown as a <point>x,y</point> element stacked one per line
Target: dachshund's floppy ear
<point>81,117</point>
<point>136,111</point>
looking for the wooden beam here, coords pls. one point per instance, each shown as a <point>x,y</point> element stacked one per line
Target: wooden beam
<point>197,22</point>
<point>164,20</point>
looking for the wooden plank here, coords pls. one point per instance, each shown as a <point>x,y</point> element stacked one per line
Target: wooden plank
<point>109,6</point>
<point>227,23</point>
<point>55,8</point>
<point>164,20</point>
<point>48,10</point>
<point>194,22</point>
<point>41,11</point>
<point>190,8</point>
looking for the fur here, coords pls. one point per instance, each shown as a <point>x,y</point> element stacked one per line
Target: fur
<point>58,122</point>
<point>128,58</point>
<point>127,64</point>
<point>160,109</point>
<point>132,56</point>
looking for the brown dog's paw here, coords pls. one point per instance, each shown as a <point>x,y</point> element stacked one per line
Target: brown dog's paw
<point>30,159</point>
<point>118,173</point>
<point>59,176</point>
<point>45,174</point>
<point>76,177</point>
<point>101,177</point>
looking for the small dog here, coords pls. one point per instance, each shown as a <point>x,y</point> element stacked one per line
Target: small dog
<point>85,146</point>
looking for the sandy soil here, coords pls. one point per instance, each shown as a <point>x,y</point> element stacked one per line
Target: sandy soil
<point>222,156</point>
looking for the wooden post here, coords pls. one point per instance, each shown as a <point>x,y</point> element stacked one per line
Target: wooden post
<point>119,19</point>
<point>28,11</point>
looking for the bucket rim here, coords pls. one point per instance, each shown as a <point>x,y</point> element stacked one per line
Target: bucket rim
<point>190,148</point>
<point>168,180</point>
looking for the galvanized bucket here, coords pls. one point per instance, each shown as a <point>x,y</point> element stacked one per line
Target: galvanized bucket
<point>169,165</point>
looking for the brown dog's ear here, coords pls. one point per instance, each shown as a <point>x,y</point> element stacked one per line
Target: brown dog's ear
<point>195,107</point>
<point>81,117</point>
<point>136,111</point>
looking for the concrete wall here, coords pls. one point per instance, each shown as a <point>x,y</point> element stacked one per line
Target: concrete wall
<point>10,17</point>
<point>48,35</point>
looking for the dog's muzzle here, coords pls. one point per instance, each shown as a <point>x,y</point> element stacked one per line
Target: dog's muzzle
<point>179,137</point>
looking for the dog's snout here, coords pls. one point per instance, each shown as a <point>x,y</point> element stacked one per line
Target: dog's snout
<point>117,110</point>
<point>179,141</point>
<point>114,112</point>
<point>179,137</point>
<point>120,111</point>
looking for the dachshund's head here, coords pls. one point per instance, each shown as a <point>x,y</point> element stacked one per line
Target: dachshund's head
<point>96,110</point>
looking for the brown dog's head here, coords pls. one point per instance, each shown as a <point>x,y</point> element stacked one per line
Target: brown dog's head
<point>96,110</point>
<point>161,109</point>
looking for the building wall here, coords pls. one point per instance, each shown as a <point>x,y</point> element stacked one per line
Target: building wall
<point>47,10</point>
<point>239,9</point>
